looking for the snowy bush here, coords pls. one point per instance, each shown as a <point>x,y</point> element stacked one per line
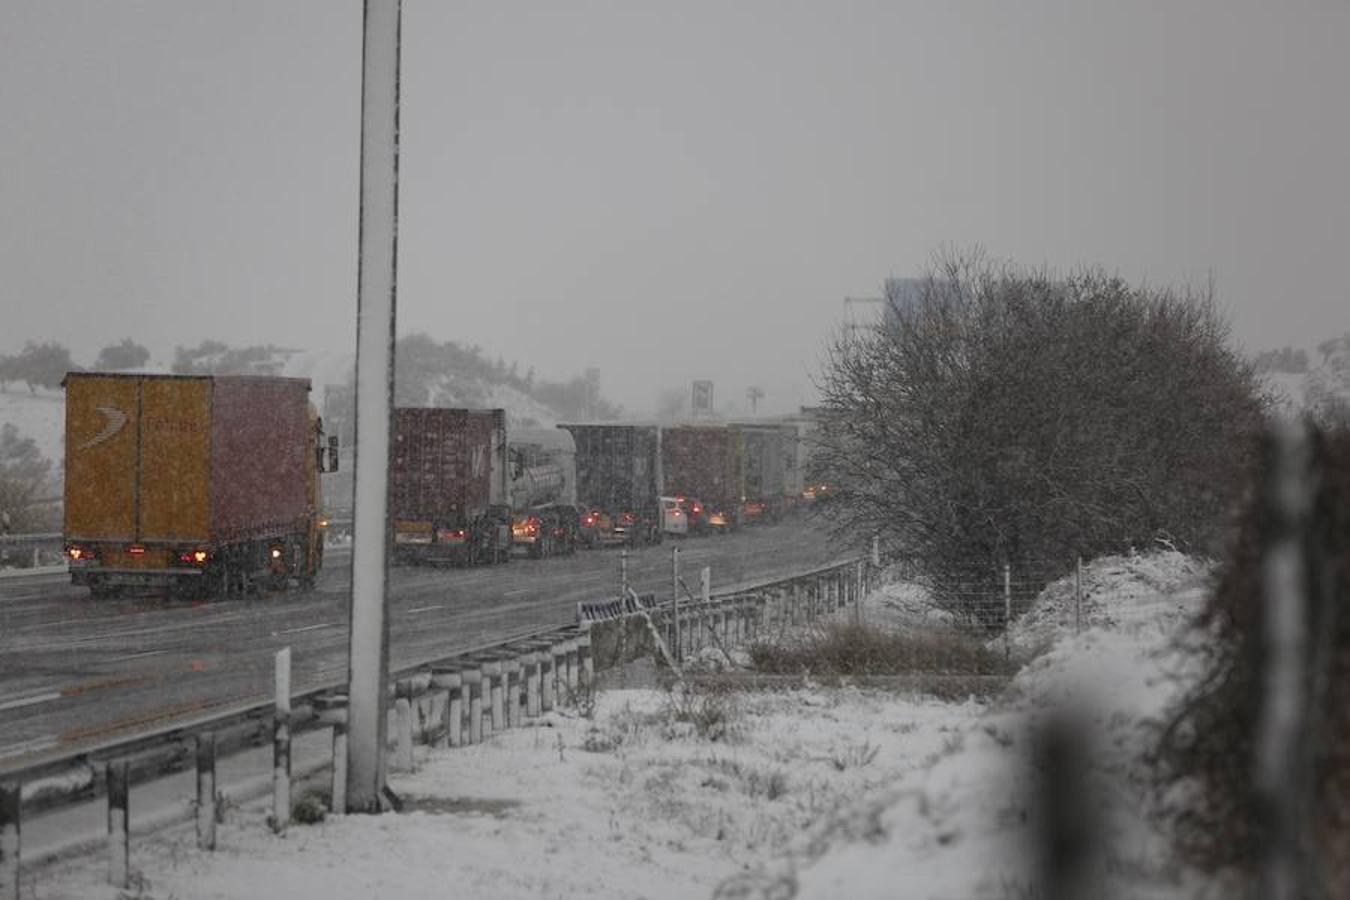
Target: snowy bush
<point>1004,414</point>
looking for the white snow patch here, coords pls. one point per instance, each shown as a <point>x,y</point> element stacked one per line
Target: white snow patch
<point>810,793</point>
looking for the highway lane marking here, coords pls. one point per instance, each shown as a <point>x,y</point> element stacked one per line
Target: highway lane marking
<point>29,701</point>
<point>305,628</point>
<point>514,593</point>
<point>143,653</point>
<point>427,608</point>
<point>31,746</point>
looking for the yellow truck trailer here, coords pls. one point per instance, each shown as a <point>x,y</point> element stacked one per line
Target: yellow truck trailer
<point>199,485</point>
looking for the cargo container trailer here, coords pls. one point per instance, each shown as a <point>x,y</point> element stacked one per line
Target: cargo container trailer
<point>203,485</point>
<point>618,481</point>
<point>706,463</point>
<point>449,501</point>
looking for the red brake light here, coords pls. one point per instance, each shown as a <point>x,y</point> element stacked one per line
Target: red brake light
<point>697,509</point>
<point>136,550</point>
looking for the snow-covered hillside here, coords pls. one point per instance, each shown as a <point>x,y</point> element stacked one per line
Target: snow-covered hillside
<point>40,416</point>
<point>805,793</point>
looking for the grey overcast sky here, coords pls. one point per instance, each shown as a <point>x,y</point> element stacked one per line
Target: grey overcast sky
<point>663,190</point>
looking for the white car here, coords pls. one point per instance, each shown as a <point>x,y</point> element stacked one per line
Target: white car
<point>673,518</point>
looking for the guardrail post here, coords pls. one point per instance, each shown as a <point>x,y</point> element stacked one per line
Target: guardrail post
<point>704,601</point>
<point>547,678</point>
<point>11,794</point>
<point>573,670</point>
<point>119,822</point>
<point>332,709</point>
<point>676,644</point>
<point>403,728</point>
<point>206,791</point>
<point>587,673</point>
<point>492,686</point>
<point>473,682</point>
<point>532,667</point>
<point>281,743</point>
<point>448,679</point>
<point>511,678</point>
<point>559,653</point>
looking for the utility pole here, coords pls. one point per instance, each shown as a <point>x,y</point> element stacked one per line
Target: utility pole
<point>368,660</point>
<point>754,394</point>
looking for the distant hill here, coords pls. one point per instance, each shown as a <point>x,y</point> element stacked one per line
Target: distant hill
<point>1319,386</point>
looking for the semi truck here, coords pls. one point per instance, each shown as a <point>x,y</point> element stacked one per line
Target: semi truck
<point>770,461</point>
<point>618,482</point>
<point>448,475</point>
<point>196,485</point>
<point>543,490</point>
<point>706,462</point>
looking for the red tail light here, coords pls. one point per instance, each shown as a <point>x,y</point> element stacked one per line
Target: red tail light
<point>627,518</point>
<point>136,550</point>
<point>78,553</point>
<point>697,509</point>
<point>194,557</point>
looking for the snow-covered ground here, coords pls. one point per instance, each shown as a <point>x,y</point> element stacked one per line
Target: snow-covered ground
<point>806,793</point>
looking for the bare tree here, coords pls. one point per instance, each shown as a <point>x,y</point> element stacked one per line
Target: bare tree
<point>1002,415</point>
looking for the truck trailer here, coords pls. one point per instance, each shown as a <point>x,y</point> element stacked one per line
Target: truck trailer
<point>706,462</point>
<point>448,476</point>
<point>769,452</point>
<point>200,485</point>
<point>618,482</point>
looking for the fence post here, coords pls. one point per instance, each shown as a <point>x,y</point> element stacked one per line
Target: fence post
<point>1007,611</point>
<point>403,727</point>
<point>510,691</point>
<point>474,682</point>
<point>119,830</point>
<point>675,602</point>
<point>548,678</point>
<point>532,666</point>
<point>623,573</point>
<point>1078,597</point>
<point>11,794</point>
<point>858,590</point>
<point>492,685</point>
<point>573,670</point>
<point>332,709</point>
<point>1294,662</point>
<point>281,743</point>
<point>587,661</point>
<point>206,791</point>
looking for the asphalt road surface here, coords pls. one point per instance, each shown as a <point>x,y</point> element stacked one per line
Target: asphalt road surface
<point>74,670</point>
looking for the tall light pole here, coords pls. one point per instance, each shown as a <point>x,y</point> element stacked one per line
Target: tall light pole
<point>368,661</point>
<point>754,394</point>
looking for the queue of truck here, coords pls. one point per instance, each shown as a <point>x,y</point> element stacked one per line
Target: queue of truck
<point>210,485</point>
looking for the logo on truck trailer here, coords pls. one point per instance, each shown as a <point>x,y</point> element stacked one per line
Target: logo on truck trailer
<point>114,420</point>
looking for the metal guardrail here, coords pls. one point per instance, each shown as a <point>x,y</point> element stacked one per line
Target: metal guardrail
<point>497,685</point>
